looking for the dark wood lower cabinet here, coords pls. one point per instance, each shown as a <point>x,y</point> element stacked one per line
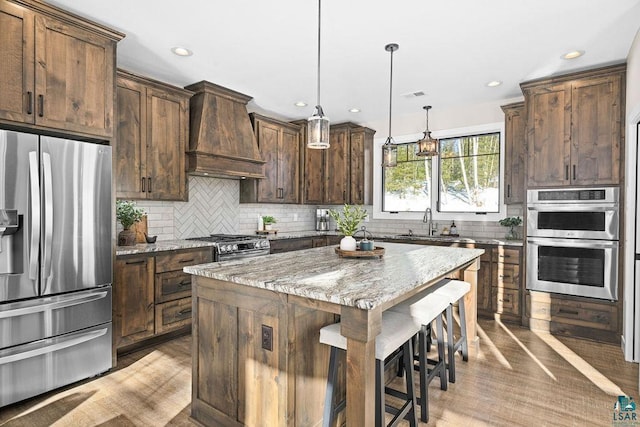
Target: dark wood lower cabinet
<point>299,243</point>
<point>152,295</point>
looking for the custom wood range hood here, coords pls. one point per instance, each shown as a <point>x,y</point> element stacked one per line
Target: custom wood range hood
<point>221,139</point>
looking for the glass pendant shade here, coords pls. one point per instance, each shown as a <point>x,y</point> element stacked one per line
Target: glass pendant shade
<point>318,130</point>
<point>427,146</point>
<point>389,154</point>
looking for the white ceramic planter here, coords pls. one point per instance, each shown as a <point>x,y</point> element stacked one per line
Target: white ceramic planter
<point>348,243</point>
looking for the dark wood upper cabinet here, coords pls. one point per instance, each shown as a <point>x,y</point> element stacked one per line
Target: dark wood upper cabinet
<point>279,144</point>
<point>153,129</point>
<point>514,155</point>
<point>574,128</point>
<point>58,70</point>
<point>343,173</point>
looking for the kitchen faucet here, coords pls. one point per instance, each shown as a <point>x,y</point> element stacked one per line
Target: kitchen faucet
<point>427,218</point>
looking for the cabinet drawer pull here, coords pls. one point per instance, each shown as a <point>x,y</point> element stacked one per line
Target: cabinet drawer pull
<point>142,261</point>
<point>40,105</point>
<point>143,180</point>
<point>182,261</point>
<point>504,276</point>
<point>183,312</point>
<point>29,102</point>
<point>183,284</point>
<point>565,311</point>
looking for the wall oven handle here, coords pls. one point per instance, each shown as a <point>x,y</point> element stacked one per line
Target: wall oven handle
<point>575,243</point>
<point>66,343</point>
<point>48,216</point>
<point>35,215</point>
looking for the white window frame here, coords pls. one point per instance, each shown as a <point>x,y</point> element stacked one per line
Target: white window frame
<point>435,173</point>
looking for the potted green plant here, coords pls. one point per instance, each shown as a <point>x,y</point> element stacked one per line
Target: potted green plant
<point>127,214</point>
<point>511,222</point>
<point>268,222</point>
<point>347,223</point>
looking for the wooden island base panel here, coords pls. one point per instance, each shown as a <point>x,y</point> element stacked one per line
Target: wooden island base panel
<point>257,359</point>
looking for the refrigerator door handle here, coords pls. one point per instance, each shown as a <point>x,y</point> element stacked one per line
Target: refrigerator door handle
<point>35,215</point>
<point>48,216</point>
<point>70,342</point>
<point>31,307</point>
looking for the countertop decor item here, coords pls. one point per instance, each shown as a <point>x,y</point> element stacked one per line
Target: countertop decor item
<point>268,222</point>
<point>377,252</point>
<point>347,223</point>
<point>127,214</point>
<point>511,222</point>
<point>150,239</point>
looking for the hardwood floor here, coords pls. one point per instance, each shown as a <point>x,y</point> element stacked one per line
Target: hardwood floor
<point>518,378</point>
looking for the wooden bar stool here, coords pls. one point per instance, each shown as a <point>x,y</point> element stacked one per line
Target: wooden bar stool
<point>397,332</point>
<point>426,307</point>
<point>455,290</point>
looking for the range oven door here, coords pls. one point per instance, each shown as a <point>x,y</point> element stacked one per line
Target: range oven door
<point>586,268</point>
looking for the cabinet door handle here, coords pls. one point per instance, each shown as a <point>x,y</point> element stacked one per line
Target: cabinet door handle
<point>142,261</point>
<point>344,194</point>
<point>183,312</point>
<point>566,172</point>
<point>183,284</point>
<point>29,102</point>
<point>508,190</point>
<point>143,180</point>
<point>574,172</point>
<point>40,105</point>
<point>149,179</point>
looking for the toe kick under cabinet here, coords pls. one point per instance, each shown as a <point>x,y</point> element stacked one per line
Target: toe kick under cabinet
<point>152,295</point>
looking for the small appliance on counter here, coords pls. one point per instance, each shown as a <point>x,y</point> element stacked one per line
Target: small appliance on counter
<point>322,219</point>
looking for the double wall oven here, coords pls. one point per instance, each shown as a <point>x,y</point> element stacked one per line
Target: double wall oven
<point>573,241</point>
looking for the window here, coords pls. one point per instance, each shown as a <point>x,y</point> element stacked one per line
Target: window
<point>470,173</point>
<point>462,182</point>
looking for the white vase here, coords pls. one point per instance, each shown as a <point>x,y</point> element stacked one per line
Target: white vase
<point>348,243</point>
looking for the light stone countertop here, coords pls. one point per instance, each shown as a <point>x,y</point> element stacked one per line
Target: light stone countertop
<point>384,236</point>
<point>320,274</point>
<point>160,246</point>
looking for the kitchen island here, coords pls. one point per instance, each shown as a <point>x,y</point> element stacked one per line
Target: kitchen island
<point>256,355</point>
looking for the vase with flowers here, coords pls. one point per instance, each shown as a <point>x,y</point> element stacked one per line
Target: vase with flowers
<point>127,214</point>
<point>347,223</point>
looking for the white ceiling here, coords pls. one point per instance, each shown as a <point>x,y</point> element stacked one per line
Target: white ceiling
<point>448,49</point>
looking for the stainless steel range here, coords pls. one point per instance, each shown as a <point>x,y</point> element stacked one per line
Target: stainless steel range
<point>229,246</point>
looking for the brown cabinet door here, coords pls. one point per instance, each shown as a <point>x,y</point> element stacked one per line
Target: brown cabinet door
<point>289,165</point>
<point>167,129</point>
<point>357,168</point>
<point>484,287</point>
<point>514,156</point>
<point>268,135</point>
<point>336,170</point>
<point>313,179</point>
<point>17,95</point>
<point>74,78</point>
<point>131,147</point>
<point>596,131</point>
<point>133,300</point>
<point>548,135</point>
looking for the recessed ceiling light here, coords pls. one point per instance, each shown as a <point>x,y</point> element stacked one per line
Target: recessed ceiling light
<point>494,83</point>
<point>300,104</point>
<point>354,110</point>
<point>573,54</point>
<point>181,51</point>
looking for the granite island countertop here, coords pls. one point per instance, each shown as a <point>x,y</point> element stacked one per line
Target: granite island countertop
<point>320,274</point>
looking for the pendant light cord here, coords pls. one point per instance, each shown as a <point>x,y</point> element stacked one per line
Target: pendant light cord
<point>390,93</point>
<point>319,21</point>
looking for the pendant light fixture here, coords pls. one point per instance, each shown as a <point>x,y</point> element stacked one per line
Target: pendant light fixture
<point>389,149</point>
<point>427,146</point>
<point>318,124</point>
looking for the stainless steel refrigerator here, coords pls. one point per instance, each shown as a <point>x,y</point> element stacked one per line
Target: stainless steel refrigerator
<point>55,263</point>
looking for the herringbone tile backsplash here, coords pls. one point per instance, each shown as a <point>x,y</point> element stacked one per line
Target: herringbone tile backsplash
<point>214,207</point>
